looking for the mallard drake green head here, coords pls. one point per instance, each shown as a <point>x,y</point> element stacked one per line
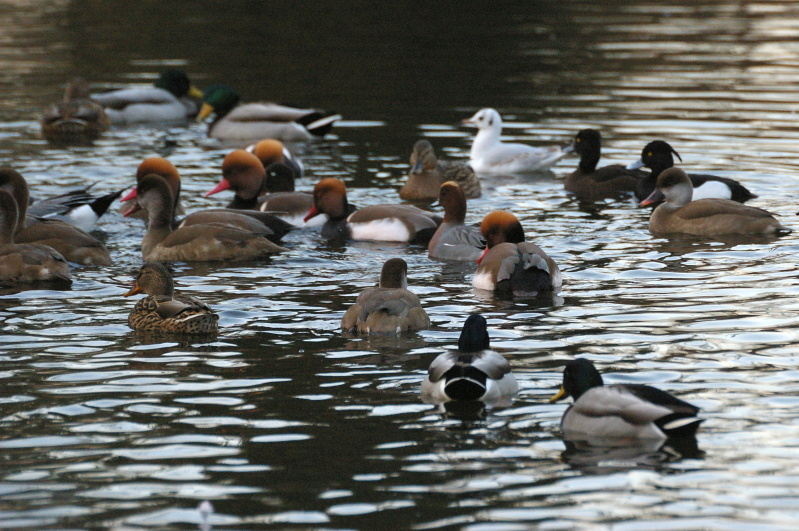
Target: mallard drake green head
<point>219,100</point>
<point>177,82</point>
<point>579,376</point>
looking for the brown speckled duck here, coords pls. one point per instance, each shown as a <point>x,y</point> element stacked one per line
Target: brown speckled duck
<point>72,243</point>
<point>389,308</point>
<point>200,242</point>
<point>164,311</point>
<point>510,266</point>
<point>76,119</point>
<point>20,263</point>
<point>428,174</point>
<point>704,217</point>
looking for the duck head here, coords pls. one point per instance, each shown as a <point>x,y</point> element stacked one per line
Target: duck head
<point>279,178</point>
<point>394,274</point>
<point>219,100</point>
<point>177,82</point>
<point>154,194</point>
<point>329,197</point>
<point>579,376</point>
<point>674,187</point>
<point>423,157</point>
<point>15,184</point>
<point>153,279</point>
<point>452,199</point>
<point>8,217</point>
<point>474,336</point>
<point>268,151</point>
<point>243,173</point>
<point>156,166</point>
<point>657,156</point>
<point>500,227</point>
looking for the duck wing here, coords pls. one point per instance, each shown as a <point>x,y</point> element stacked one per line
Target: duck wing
<point>119,99</point>
<point>705,208</point>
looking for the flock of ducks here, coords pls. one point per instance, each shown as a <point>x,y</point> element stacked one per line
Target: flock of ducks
<point>38,241</point>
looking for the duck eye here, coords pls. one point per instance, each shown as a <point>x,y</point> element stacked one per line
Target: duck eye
<point>577,140</point>
<point>649,154</point>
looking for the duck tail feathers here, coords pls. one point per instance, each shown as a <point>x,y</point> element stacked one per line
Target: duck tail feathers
<point>678,425</point>
<point>319,123</point>
<point>101,204</point>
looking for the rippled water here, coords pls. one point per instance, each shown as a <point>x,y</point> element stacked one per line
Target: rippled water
<point>283,422</point>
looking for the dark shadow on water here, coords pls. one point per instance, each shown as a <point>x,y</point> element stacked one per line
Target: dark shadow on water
<point>597,457</point>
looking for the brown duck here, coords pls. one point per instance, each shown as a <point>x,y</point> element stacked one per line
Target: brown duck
<point>428,174</point>
<point>72,243</point>
<point>510,266</point>
<point>21,263</point>
<point>76,119</point>
<point>200,242</point>
<point>454,240</point>
<point>163,310</point>
<point>271,151</point>
<point>389,308</point>
<point>703,217</point>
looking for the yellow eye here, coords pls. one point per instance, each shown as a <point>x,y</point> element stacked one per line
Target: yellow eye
<point>577,140</point>
<point>649,154</point>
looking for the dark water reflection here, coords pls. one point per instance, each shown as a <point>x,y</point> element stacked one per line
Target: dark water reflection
<point>283,422</point>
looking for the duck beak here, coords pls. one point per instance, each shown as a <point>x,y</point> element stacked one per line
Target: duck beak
<point>135,207</point>
<point>557,396</point>
<point>131,195</point>
<point>136,289</point>
<point>417,168</point>
<point>205,112</point>
<point>482,255</point>
<point>224,184</point>
<point>635,165</point>
<point>654,197</point>
<point>195,93</point>
<point>311,213</point>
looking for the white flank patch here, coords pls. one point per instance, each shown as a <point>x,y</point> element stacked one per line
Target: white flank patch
<point>83,217</point>
<point>483,279</point>
<point>381,230</point>
<point>711,190</point>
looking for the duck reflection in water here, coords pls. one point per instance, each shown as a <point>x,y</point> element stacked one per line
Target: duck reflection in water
<point>597,457</point>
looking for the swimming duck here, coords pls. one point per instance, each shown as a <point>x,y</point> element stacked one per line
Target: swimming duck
<point>623,411</point>
<point>247,121</point>
<point>587,182</point>
<point>164,311</point>
<point>428,174</point>
<point>657,156</point>
<point>200,242</point>
<point>159,166</point>
<point>172,98</point>
<point>71,242</point>
<point>490,155</point>
<point>473,372</point>
<point>272,151</point>
<point>20,263</point>
<point>509,266</point>
<point>77,207</point>
<point>389,308</point>
<point>454,240</point>
<point>385,223</point>
<point>76,119</point>
<point>703,217</point>
<point>252,221</point>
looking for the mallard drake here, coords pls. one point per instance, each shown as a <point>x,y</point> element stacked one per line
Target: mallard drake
<point>704,217</point>
<point>510,266</point>
<point>587,182</point>
<point>387,223</point>
<point>389,308</point>
<point>237,121</point>
<point>657,156</point>
<point>23,264</point>
<point>623,411</point>
<point>427,174</point>
<point>76,119</point>
<point>473,372</point>
<point>71,242</point>
<point>253,221</point>
<point>77,207</point>
<point>172,98</point>
<point>490,155</point>
<point>453,240</point>
<point>163,310</point>
<point>272,151</point>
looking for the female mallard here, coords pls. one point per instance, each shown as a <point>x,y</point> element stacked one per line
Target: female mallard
<point>172,99</point>
<point>237,121</point>
<point>428,174</point>
<point>163,310</point>
<point>622,411</point>
<point>473,372</point>
<point>76,119</point>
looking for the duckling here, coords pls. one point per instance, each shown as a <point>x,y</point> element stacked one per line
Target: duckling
<point>587,182</point>
<point>454,240</point>
<point>235,121</point>
<point>172,98</point>
<point>657,156</point>
<point>23,264</point>
<point>490,155</point>
<point>389,308</point>
<point>623,411</point>
<point>163,310</point>
<point>428,174</point>
<point>473,372</point>
<point>510,266</point>
<point>76,119</point>
<point>704,217</point>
